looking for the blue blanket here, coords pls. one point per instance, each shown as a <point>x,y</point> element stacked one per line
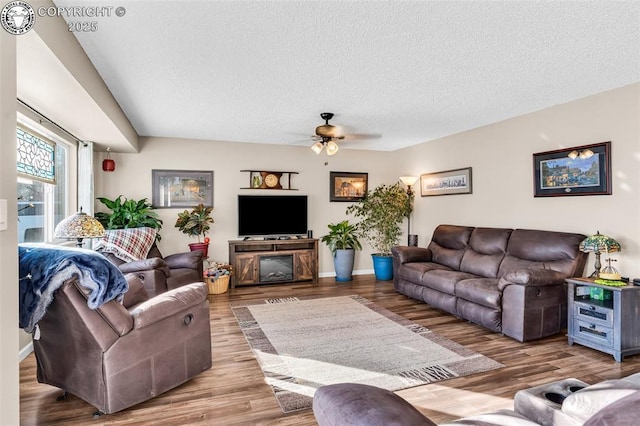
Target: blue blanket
<point>44,268</point>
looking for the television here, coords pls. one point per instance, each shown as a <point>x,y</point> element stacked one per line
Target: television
<point>272,215</point>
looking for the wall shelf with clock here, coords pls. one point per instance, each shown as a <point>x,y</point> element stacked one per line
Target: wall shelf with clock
<point>263,179</point>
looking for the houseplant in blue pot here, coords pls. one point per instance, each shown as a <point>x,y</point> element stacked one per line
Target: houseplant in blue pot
<point>381,213</point>
<point>342,241</point>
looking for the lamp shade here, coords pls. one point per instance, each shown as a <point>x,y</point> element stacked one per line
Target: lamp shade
<point>599,243</point>
<point>332,148</point>
<point>78,226</point>
<point>317,147</point>
<point>408,180</point>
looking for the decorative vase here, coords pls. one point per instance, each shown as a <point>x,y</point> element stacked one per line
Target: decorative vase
<point>413,240</point>
<point>382,267</point>
<point>343,262</point>
<point>203,247</point>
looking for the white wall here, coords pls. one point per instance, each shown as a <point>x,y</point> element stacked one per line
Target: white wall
<point>132,178</point>
<point>9,367</point>
<point>501,157</point>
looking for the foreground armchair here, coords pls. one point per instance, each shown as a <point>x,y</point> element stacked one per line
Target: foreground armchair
<point>122,354</point>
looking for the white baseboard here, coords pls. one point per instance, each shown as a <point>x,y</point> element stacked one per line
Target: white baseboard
<point>357,272</point>
<point>25,351</point>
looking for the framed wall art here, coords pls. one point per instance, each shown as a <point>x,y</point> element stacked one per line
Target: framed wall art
<point>581,170</point>
<point>181,188</point>
<point>448,182</point>
<point>347,186</point>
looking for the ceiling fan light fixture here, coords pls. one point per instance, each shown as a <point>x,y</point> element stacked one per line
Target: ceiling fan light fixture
<point>332,148</point>
<point>317,147</point>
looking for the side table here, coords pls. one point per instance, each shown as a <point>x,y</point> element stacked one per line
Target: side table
<point>604,317</point>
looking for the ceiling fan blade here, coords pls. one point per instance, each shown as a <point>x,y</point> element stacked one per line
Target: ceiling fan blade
<point>362,136</point>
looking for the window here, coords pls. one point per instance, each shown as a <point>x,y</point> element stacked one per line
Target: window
<point>42,166</point>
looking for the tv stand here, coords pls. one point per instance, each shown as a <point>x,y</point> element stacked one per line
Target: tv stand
<point>273,261</point>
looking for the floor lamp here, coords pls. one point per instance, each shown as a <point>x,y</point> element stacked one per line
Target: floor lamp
<point>412,239</point>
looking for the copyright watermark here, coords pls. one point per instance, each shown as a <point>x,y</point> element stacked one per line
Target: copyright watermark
<point>18,17</point>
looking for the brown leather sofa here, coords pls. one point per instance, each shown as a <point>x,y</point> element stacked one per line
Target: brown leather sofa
<point>122,354</point>
<point>509,281</point>
<point>158,273</point>
<point>357,404</point>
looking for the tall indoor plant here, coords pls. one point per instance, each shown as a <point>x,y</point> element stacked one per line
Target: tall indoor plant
<point>196,223</point>
<point>342,241</point>
<point>125,213</point>
<point>381,213</point>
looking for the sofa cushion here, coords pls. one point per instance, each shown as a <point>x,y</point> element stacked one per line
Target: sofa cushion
<point>485,252</point>
<point>625,411</point>
<point>529,248</point>
<point>448,244</point>
<point>586,402</point>
<point>363,405</point>
<point>444,280</point>
<point>483,291</point>
<point>413,271</point>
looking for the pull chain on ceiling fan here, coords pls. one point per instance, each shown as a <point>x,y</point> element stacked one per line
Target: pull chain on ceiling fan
<point>328,133</point>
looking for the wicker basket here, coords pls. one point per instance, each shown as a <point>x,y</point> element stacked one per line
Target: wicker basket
<point>219,285</point>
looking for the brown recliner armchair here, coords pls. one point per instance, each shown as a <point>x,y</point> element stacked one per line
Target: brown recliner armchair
<point>159,274</point>
<point>115,357</point>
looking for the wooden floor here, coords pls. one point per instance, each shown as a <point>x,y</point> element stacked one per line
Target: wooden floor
<point>233,392</point>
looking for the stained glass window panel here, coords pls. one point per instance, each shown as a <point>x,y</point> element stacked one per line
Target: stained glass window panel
<point>36,157</point>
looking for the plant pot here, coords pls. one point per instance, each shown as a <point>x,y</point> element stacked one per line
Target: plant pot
<point>343,262</point>
<point>203,247</point>
<point>382,267</point>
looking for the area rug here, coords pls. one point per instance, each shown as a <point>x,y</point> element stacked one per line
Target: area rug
<point>304,343</point>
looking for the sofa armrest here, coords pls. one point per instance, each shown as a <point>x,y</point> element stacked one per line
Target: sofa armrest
<point>189,259</point>
<point>145,265</point>
<point>532,277</point>
<point>168,304</point>
<point>405,254</point>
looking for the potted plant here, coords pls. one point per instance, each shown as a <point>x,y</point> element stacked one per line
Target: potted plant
<point>342,241</point>
<point>381,213</point>
<point>129,214</point>
<point>196,223</point>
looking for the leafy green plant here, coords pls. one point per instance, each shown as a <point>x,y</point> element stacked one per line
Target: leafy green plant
<point>341,236</point>
<point>196,222</point>
<point>129,214</point>
<point>381,213</point>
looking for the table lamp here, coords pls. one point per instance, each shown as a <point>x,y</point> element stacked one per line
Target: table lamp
<point>597,244</point>
<point>78,226</point>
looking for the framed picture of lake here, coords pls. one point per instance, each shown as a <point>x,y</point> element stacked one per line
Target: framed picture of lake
<point>581,170</point>
<point>448,182</point>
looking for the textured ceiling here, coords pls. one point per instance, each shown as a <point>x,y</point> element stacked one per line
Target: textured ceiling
<point>397,73</point>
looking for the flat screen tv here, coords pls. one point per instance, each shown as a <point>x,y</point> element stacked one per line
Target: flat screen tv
<point>272,215</point>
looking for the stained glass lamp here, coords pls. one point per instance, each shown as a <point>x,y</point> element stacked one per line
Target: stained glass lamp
<point>597,244</point>
<point>79,226</point>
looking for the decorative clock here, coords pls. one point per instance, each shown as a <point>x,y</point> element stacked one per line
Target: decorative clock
<point>265,179</point>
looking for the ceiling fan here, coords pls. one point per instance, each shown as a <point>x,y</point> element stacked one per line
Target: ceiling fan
<point>327,135</point>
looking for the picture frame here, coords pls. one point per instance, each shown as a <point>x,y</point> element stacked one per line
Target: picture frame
<point>448,182</point>
<point>579,170</point>
<point>181,188</point>
<point>347,186</point>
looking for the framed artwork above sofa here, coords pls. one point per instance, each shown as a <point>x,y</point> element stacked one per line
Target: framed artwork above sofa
<point>580,170</point>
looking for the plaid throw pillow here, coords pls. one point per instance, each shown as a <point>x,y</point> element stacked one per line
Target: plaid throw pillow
<point>127,244</point>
